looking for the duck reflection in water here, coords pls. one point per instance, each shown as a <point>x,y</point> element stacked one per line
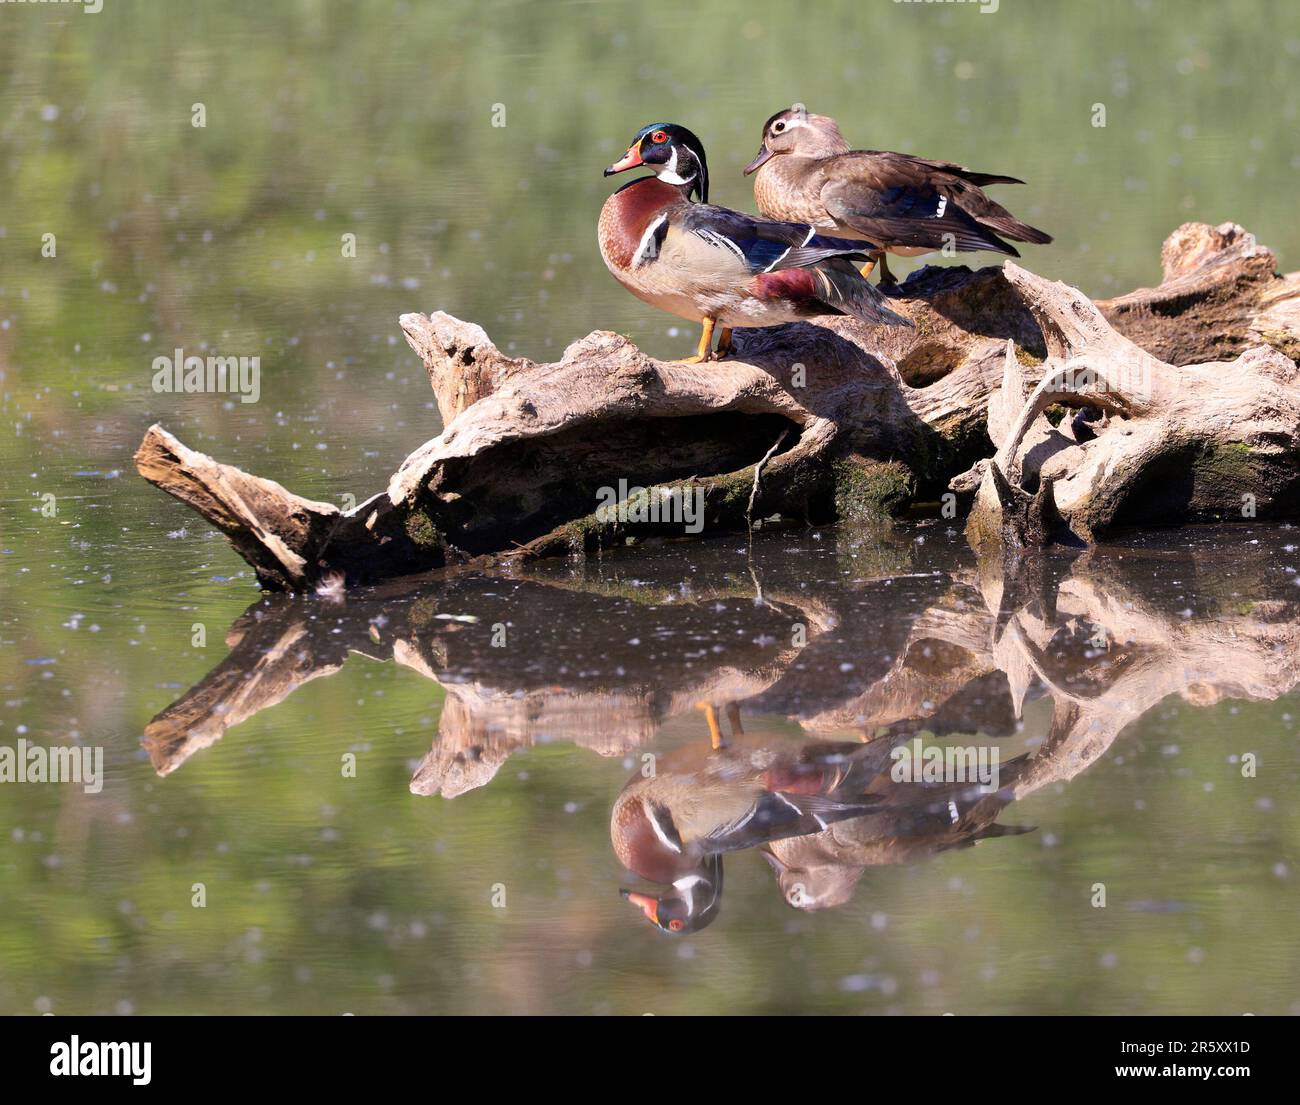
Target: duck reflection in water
<point>673,826</point>
<point>820,812</point>
<point>821,870</point>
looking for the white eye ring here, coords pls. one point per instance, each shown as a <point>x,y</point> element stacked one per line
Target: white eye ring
<point>778,127</point>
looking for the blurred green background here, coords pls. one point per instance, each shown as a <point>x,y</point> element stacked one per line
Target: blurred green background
<point>375,119</point>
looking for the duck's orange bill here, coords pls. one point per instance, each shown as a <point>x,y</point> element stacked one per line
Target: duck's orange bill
<point>647,905</point>
<point>630,160</point>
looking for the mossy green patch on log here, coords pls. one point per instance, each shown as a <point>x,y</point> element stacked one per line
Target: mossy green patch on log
<point>1284,341</point>
<point>421,530</point>
<point>585,534</point>
<point>597,530</point>
<point>1226,480</point>
<point>1026,358</point>
<point>726,497</point>
<point>867,490</point>
<point>1210,483</point>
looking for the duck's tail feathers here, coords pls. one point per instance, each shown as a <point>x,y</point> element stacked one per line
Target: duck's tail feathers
<point>1013,228</point>
<point>996,830</point>
<point>991,216</point>
<point>983,179</point>
<point>844,288</point>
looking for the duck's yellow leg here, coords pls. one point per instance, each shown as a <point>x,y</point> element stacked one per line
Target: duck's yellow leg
<point>724,342</point>
<point>706,343</point>
<point>886,277</point>
<point>871,263</point>
<point>733,716</point>
<point>715,730</point>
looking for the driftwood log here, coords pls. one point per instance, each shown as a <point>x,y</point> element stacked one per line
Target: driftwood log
<point>1152,442</point>
<point>836,421</point>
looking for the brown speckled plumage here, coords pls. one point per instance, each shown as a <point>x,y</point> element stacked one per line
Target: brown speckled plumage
<point>901,203</point>
<point>782,190</point>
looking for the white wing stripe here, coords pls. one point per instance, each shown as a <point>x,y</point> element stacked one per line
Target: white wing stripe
<point>716,239</point>
<point>779,259</point>
<point>646,248</point>
<point>664,838</point>
<point>812,231</point>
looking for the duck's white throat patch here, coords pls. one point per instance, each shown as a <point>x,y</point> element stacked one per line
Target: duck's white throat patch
<point>669,174</point>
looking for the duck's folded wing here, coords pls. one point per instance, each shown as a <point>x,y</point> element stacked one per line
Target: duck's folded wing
<point>776,815</point>
<point>901,204</point>
<point>764,245</point>
<point>949,168</point>
<point>965,188</point>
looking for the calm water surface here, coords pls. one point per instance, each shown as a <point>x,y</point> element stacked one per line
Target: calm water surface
<point>466,865</point>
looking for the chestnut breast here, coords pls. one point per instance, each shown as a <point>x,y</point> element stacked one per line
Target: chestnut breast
<point>639,847</point>
<point>626,215</point>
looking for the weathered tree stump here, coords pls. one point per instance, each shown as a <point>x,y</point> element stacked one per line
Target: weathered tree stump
<point>822,422</point>
<point>1153,442</point>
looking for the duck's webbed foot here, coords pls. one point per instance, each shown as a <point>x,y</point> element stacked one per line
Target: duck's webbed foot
<point>706,343</point>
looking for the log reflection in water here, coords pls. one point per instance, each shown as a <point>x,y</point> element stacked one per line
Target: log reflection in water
<point>602,656</point>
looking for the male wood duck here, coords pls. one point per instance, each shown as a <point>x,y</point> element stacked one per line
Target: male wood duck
<point>906,205</point>
<point>673,828</point>
<point>717,266</point>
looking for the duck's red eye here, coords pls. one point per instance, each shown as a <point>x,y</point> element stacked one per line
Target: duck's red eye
<point>674,926</point>
<point>658,136</point>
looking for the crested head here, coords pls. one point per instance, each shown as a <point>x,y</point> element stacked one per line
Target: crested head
<point>690,904</point>
<point>797,131</point>
<point>673,153</point>
<point>824,886</point>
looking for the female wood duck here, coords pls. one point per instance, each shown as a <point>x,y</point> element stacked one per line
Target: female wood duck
<point>714,265</point>
<point>911,824</point>
<point>906,205</point>
<point>673,828</point>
